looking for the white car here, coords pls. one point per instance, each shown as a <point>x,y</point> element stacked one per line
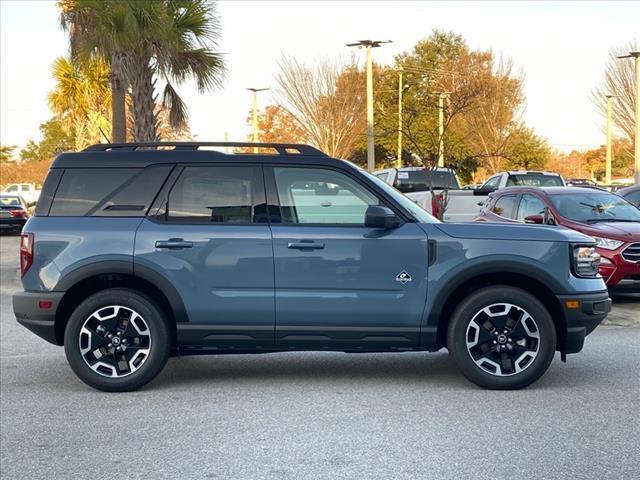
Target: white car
<point>28,191</point>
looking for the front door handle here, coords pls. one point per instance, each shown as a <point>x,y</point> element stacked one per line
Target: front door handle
<point>173,243</point>
<point>305,245</point>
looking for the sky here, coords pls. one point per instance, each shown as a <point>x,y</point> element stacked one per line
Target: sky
<point>562,47</point>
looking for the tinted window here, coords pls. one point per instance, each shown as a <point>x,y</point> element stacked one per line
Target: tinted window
<point>530,205</point>
<point>534,180</point>
<point>12,188</point>
<point>633,197</point>
<point>418,180</point>
<point>81,189</point>
<point>505,206</point>
<point>311,195</point>
<point>215,195</point>
<point>594,206</point>
<point>134,197</point>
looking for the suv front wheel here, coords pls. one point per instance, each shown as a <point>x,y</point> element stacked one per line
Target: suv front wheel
<point>117,340</point>
<point>502,338</point>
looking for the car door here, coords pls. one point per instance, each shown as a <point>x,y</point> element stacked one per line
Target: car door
<point>210,239</point>
<point>339,284</point>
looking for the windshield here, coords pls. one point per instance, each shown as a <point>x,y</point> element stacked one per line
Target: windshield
<point>534,180</point>
<point>418,180</point>
<point>592,207</point>
<point>10,201</point>
<point>418,213</point>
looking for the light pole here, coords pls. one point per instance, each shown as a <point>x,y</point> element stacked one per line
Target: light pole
<point>607,170</point>
<point>400,89</point>
<point>636,57</point>
<point>255,114</point>
<point>369,44</point>
<point>441,97</point>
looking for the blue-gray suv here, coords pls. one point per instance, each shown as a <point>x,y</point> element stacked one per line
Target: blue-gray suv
<point>138,252</point>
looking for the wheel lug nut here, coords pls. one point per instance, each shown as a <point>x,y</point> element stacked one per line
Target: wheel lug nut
<point>110,336</point>
<point>510,340</point>
<point>495,342</point>
<point>110,345</point>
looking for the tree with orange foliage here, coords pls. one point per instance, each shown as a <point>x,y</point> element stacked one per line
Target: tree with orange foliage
<point>276,125</point>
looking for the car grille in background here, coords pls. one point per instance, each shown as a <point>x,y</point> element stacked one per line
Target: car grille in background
<point>632,253</point>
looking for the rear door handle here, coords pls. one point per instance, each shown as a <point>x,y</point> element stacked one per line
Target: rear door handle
<point>308,245</point>
<point>173,243</point>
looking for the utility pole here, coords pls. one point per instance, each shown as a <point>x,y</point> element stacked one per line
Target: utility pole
<point>400,89</point>
<point>255,114</point>
<point>636,57</point>
<point>369,44</point>
<point>607,175</point>
<point>441,98</point>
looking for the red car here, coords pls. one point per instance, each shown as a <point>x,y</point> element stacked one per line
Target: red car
<point>612,221</point>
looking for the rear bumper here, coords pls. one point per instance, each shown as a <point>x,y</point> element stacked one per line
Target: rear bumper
<point>29,313</point>
<point>581,321</point>
<point>12,223</point>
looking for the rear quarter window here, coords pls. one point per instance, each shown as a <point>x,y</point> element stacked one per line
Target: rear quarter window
<point>104,192</point>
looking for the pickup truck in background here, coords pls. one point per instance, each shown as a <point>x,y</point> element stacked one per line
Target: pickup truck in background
<point>463,204</point>
<point>28,191</point>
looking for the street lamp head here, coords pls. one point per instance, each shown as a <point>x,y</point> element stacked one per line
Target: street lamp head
<point>368,43</point>
<point>634,54</point>
<point>257,89</point>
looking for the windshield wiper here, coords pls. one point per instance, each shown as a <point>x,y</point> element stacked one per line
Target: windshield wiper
<point>595,220</point>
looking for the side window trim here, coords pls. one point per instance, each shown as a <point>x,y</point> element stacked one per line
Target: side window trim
<point>274,200</point>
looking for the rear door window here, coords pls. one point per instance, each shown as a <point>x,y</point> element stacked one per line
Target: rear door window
<point>216,194</point>
<point>505,206</point>
<point>419,180</point>
<point>534,180</point>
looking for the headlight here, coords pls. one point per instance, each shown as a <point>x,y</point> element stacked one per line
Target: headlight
<point>608,243</point>
<point>585,261</point>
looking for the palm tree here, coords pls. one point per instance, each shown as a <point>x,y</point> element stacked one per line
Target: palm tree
<point>98,28</point>
<point>81,99</point>
<point>147,41</point>
<point>173,42</point>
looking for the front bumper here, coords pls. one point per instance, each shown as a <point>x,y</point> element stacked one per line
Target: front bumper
<point>41,321</point>
<point>591,309</point>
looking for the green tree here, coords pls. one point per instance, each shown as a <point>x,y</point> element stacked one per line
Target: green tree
<point>55,140</point>
<point>6,153</point>
<point>81,99</point>
<point>100,29</point>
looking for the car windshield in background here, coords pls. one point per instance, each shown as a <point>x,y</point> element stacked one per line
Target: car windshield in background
<point>418,181</point>
<point>533,180</point>
<point>592,207</point>
<point>10,201</point>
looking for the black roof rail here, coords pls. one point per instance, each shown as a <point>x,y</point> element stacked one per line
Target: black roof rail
<point>280,148</point>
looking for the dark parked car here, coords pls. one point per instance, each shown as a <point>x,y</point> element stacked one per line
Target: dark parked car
<point>137,253</point>
<point>612,221</point>
<point>631,194</point>
<point>13,212</point>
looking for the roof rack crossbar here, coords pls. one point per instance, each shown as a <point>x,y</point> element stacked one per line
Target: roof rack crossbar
<point>280,148</point>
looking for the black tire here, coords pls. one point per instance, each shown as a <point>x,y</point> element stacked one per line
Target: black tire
<point>158,342</point>
<point>474,362</point>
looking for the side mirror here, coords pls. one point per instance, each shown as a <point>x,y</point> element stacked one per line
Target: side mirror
<point>484,191</point>
<point>378,216</point>
<point>537,219</point>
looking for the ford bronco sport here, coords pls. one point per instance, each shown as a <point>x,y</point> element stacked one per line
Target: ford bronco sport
<point>140,251</point>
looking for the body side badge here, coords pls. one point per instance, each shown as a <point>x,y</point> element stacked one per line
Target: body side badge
<point>403,277</point>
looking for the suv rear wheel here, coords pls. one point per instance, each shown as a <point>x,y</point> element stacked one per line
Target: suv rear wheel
<point>117,340</point>
<point>502,338</point>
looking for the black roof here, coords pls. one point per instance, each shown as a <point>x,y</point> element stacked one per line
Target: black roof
<point>144,154</point>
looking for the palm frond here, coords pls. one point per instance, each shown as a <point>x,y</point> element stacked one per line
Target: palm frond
<point>178,114</point>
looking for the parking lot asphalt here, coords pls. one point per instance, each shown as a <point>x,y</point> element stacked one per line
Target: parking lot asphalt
<point>318,415</point>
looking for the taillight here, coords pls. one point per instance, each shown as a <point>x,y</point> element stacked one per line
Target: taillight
<point>18,213</point>
<point>435,206</point>
<point>26,252</point>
